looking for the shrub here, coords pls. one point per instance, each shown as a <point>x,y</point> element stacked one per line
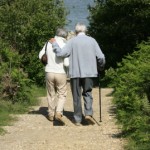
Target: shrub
<point>131,83</point>
<point>15,85</point>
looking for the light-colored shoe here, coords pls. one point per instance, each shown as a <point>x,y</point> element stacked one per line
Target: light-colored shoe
<point>76,123</point>
<point>50,118</point>
<point>59,117</point>
<point>90,120</point>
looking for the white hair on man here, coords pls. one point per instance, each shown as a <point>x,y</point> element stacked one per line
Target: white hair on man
<point>80,27</point>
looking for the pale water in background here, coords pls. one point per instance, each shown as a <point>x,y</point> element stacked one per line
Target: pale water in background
<point>78,12</point>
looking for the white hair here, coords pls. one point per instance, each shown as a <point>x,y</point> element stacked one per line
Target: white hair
<point>80,27</point>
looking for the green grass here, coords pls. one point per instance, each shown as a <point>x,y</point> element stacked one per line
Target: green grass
<point>5,118</point>
<point>38,91</point>
<point>7,108</point>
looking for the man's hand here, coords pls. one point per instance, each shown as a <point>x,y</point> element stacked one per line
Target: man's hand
<point>52,40</point>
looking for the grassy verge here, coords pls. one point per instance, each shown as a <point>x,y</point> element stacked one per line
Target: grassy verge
<point>7,108</point>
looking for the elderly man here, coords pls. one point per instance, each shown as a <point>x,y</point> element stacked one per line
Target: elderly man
<point>56,80</point>
<point>84,54</point>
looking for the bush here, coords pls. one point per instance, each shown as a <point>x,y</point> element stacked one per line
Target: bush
<point>15,85</point>
<point>131,81</point>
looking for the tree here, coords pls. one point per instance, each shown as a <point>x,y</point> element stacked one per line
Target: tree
<point>118,26</point>
<point>26,25</point>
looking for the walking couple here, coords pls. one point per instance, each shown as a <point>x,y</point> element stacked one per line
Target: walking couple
<point>81,54</point>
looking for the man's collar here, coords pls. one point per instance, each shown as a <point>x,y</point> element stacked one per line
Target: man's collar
<point>81,33</point>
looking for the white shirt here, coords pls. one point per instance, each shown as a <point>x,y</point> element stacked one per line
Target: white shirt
<point>55,64</point>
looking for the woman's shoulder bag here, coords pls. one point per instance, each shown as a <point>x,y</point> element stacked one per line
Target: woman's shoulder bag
<point>44,58</point>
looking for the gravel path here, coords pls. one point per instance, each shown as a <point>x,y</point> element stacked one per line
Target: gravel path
<point>33,131</point>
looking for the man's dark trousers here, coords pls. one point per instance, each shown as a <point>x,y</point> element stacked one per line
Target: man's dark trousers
<point>85,86</point>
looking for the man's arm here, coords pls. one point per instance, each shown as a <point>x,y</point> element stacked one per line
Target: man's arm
<point>100,58</point>
<point>62,52</point>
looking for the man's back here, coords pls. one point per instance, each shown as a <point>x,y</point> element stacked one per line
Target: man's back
<point>83,56</point>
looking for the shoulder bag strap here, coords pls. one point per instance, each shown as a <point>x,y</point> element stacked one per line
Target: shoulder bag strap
<point>46,47</point>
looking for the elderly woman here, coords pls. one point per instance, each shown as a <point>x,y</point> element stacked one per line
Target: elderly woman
<point>56,79</point>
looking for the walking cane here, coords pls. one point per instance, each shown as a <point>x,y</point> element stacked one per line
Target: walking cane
<point>99,103</point>
<point>100,113</point>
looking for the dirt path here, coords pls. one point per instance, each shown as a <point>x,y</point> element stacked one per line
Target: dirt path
<point>33,131</point>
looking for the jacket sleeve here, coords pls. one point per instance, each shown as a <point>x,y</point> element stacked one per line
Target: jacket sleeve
<point>100,57</point>
<point>62,52</point>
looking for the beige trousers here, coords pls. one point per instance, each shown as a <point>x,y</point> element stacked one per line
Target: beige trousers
<point>56,84</point>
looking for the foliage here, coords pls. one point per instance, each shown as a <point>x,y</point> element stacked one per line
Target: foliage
<point>15,89</point>
<point>118,26</point>
<point>131,81</point>
<point>15,86</point>
<point>26,25</point>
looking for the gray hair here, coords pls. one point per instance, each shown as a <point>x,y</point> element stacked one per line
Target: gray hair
<point>61,32</point>
<point>80,27</point>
